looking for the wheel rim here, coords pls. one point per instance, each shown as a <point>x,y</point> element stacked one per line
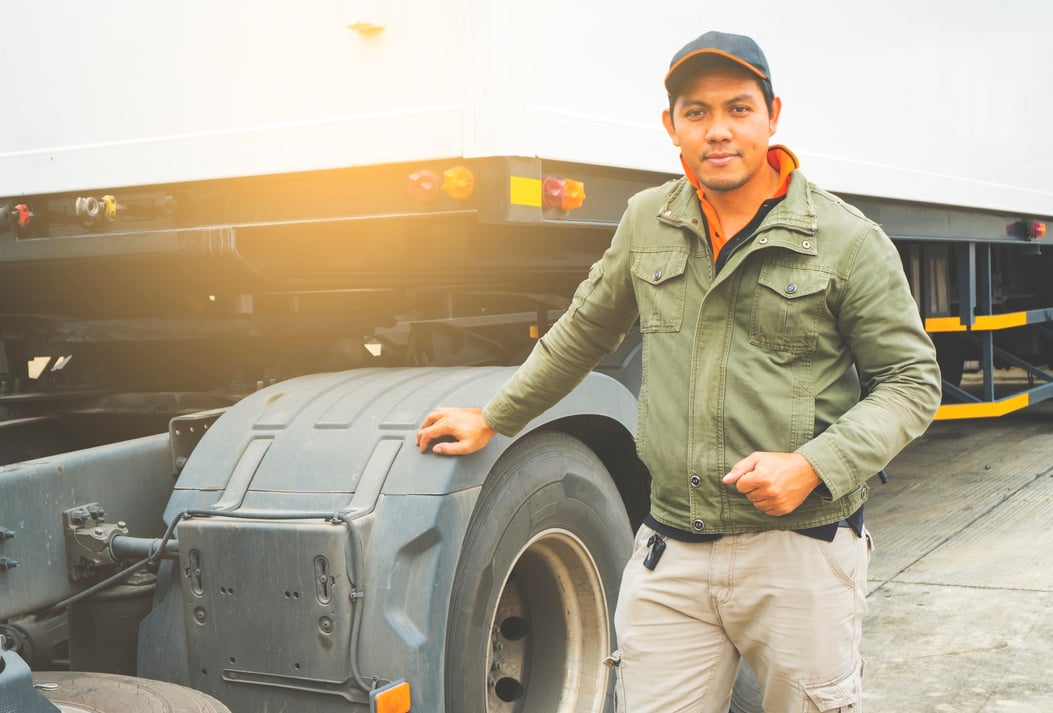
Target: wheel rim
<point>549,633</point>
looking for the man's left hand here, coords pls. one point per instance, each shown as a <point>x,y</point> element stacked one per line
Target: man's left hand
<point>776,483</point>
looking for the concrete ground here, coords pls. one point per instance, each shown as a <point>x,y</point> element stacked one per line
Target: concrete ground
<point>961,580</point>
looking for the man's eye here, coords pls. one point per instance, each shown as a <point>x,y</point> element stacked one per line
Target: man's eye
<point>694,113</point>
<point>740,109</point>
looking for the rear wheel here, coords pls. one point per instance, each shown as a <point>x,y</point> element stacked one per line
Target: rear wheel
<point>533,601</point>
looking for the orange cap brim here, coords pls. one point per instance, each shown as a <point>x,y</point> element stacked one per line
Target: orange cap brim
<point>718,53</point>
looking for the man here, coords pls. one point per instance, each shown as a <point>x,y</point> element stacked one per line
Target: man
<point>784,364</point>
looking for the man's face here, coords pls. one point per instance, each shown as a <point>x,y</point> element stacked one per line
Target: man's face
<point>722,126</point>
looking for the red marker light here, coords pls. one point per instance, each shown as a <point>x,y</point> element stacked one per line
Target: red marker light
<point>553,191</point>
<point>1026,229</point>
<point>23,215</point>
<point>424,186</point>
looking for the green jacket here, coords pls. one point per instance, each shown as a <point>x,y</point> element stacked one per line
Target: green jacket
<point>769,354</point>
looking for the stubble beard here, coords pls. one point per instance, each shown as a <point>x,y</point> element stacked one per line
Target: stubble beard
<point>723,184</point>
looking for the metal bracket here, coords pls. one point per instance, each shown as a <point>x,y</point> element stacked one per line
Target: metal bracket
<point>185,432</point>
<point>88,538</point>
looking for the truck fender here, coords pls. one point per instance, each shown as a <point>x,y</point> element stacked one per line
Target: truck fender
<point>345,442</point>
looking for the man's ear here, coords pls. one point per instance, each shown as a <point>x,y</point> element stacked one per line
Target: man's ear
<point>667,122</point>
<point>773,120</point>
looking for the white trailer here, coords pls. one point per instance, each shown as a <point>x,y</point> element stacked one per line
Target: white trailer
<point>245,248</point>
<point>912,101</point>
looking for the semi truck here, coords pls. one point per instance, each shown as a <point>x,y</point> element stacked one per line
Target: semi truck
<point>245,249</point>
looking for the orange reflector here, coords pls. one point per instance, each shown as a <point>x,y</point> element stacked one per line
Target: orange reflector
<point>392,698</point>
<point>458,182</point>
<point>1037,230</point>
<point>535,333</point>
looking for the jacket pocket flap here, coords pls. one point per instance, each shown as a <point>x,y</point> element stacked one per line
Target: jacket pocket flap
<point>793,284</point>
<point>655,268</point>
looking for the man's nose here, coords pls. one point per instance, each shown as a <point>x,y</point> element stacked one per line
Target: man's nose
<point>718,129</point>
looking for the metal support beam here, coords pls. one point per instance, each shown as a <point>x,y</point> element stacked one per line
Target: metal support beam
<point>967,283</point>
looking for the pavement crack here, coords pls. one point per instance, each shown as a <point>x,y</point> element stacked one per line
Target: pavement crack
<point>979,517</point>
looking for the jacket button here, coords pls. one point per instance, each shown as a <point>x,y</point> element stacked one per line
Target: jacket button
<point>791,288</point>
<point>762,241</point>
<point>864,491</point>
<point>657,275</point>
<point>698,525</point>
<point>806,244</point>
<point>667,213</point>
<point>695,481</point>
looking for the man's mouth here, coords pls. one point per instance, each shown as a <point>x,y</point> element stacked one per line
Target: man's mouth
<point>718,159</point>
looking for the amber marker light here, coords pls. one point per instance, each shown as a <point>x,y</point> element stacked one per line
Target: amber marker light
<point>109,205</point>
<point>1036,230</point>
<point>574,194</point>
<point>458,182</point>
<point>392,698</point>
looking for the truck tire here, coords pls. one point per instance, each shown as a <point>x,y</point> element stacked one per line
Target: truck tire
<point>531,616</point>
<point>74,692</point>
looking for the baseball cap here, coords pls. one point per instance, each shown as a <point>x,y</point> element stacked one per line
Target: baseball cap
<point>737,48</point>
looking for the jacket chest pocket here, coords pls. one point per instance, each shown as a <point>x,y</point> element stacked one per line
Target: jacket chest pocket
<point>660,285</point>
<point>787,308</point>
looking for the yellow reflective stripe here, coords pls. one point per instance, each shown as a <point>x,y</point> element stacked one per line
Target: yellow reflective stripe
<point>987,409</point>
<point>944,324</point>
<point>525,191</point>
<point>1001,321</point>
<point>984,322</point>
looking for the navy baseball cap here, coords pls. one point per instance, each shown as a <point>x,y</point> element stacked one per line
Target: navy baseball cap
<point>737,48</point>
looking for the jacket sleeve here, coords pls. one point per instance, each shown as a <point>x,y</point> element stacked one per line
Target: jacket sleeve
<point>601,312</point>
<point>896,361</point>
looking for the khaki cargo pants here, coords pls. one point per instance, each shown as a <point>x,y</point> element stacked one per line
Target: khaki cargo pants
<point>790,605</point>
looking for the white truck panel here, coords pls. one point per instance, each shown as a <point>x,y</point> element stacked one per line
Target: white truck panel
<point>921,101</point>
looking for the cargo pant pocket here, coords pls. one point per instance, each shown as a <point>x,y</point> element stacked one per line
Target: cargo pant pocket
<point>842,695</point>
<point>614,662</point>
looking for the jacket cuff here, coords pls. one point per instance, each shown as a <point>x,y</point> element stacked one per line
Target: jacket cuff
<point>832,468</point>
<point>498,415</point>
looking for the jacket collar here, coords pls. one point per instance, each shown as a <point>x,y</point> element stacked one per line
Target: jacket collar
<point>795,212</point>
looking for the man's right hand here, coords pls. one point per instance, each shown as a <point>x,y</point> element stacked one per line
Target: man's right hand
<point>467,425</point>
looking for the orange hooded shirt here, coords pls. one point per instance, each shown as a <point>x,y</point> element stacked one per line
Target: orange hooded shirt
<point>779,157</point>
